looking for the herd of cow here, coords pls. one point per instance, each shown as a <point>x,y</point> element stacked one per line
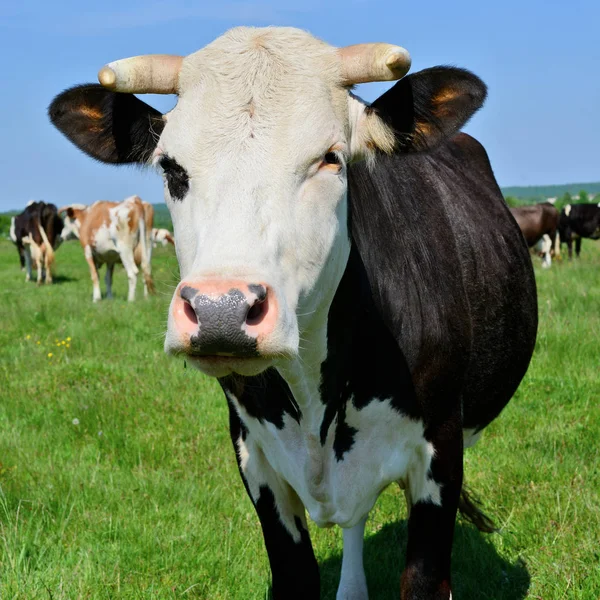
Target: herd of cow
<point>350,273</point>
<point>123,232</point>
<point>109,233</point>
<point>545,229</point>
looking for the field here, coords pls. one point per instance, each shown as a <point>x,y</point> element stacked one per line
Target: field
<point>118,480</point>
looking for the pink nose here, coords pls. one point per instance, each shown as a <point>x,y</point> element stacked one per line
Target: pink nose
<point>224,317</point>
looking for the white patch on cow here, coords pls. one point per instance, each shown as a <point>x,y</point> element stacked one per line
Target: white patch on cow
<point>258,472</point>
<point>353,583</point>
<point>12,232</point>
<point>70,229</point>
<point>388,447</point>
<point>543,247</point>
<point>568,209</point>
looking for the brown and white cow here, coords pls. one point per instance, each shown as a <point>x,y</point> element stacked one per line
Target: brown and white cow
<point>359,317</point>
<point>111,232</point>
<point>162,236</point>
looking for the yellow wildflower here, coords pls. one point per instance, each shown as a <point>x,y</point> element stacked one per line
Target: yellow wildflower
<point>38,342</point>
<point>68,339</point>
<point>50,355</point>
<point>63,343</point>
<point>27,337</point>
<point>68,345</point>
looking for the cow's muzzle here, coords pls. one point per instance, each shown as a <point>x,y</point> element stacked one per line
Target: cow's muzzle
<point>215,320</point>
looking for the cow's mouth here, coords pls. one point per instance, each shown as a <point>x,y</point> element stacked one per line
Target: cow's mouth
<point>220,366</point>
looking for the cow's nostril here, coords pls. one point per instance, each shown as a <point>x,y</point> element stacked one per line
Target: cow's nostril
<point>257,312</point>
<point>189,312</point>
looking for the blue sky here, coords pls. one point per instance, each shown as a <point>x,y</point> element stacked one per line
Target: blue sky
<point>540,59</point>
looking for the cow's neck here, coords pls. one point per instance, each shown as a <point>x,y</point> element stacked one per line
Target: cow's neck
<point>326,344</point>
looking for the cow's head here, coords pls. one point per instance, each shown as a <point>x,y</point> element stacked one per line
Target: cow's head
<point>254,158</point>
<point>72,217</point>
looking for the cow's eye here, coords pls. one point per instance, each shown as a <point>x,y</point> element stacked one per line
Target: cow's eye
<point>176,176</point>
<point>332,158</point>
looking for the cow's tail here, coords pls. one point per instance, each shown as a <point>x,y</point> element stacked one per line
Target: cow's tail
<point>468,505</point>
<point>49,248</point>
<point>146,268</point>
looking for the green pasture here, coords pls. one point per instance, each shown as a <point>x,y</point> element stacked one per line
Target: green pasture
<point>118,480</point>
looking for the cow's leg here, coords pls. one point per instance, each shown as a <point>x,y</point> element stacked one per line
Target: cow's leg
<point>128,261</point>
<point>48,267</point>
<point>435,492</point>
<point>27,255</point>
<point>39,264</point>
<point>577,247</point>
<point>353,583</point>
<point>569,242</point>
<point>21,251</point>
<point>110,267</point>
<point>546,249</point>
<point>89,257</point>
<point>294,569</point>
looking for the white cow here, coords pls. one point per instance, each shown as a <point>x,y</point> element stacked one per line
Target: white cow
<point>355,348</point>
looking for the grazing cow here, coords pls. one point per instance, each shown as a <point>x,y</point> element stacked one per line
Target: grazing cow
<point>110,232</point>
<point>537,221</point>
<point>37,234</point>
<point>579,221</point>
<point>162,236</point>
<point>360,322</point>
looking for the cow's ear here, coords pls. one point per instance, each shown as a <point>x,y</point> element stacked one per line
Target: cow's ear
<point>425,108</point>
<point>110,127</point>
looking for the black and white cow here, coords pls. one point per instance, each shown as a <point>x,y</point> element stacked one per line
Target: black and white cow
<point>578,221</point>
<point>362,326</point>
<point>36,232</point>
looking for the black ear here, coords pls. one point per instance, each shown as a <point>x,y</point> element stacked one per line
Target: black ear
<point>430,106</point>
<point>110,127</point>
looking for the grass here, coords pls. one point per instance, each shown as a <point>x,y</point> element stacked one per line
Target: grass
<point>118,480</point>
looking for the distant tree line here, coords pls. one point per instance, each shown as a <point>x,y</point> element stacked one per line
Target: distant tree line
<point>539,193</point>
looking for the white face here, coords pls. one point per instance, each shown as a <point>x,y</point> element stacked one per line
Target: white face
<point>70,229</point>
<point>255,158</point>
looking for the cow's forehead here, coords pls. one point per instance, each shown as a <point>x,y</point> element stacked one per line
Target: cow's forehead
<point>269,78</point>
<point>259,56</point>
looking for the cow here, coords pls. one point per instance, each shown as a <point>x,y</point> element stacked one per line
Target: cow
<point>337,277</point>
<point>537,221</point>
<point>162,236</point>
<point>109,233</point>
<point>579,221</point>
<point>36,232</point>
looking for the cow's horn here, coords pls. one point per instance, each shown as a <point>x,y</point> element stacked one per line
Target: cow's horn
<point>363,63</point>
<point>149,74</point>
